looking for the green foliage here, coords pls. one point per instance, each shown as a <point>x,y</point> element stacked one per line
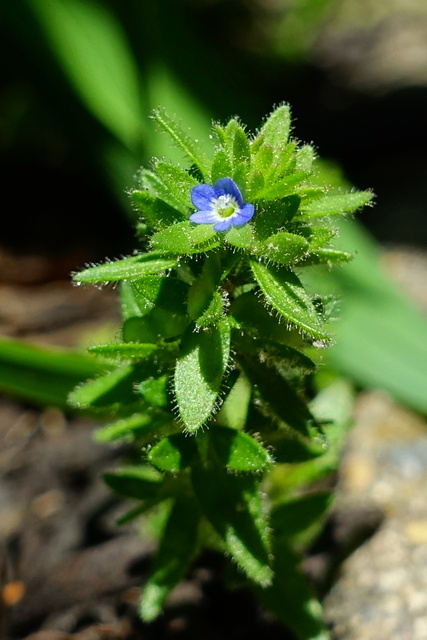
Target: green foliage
<point>43,375</point>
<point>209,374</point>
<point>177,549</point>
<point>199,372</point>
<point>95,54</point>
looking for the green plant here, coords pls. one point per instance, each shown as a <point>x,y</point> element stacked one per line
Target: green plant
<point>212,375</point>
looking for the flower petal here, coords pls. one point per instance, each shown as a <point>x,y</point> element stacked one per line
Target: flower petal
<point>202,196</point>
<point>228,186</point>
<point>246,212</point>
<point>224,224</point>
<point>204,217</point>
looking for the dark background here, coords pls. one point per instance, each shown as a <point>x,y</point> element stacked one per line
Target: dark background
<point>363,112</point>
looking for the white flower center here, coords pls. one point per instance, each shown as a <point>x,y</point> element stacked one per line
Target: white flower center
<point>225,206</point>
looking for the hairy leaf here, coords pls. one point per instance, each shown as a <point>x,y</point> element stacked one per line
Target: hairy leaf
<point>283,291</point>
<point>199,373</point>
<point>127,269</point>
<point>189,147</point>
<point>336,204</point>
<point>237,450</point>
<point>185,237</point>
<point>277,127</point>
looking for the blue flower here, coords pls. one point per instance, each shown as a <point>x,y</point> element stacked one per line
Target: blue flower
<point>221,204</point>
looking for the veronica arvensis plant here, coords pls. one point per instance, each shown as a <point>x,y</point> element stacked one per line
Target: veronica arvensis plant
<point>208,378</point>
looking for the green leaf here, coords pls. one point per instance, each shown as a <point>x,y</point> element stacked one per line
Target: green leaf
<point>199,373</point>
<point>290,598</point>
<point>295,516</point>
<point>152,184</point>
<point>237,450</point>
<point>285,187</point>
<point>282,248</point>
<point>190,147</point>
<point>132,304</point>
<point>234,411</point>
<point>271,216</point>
<point>185,237</point>
<point>126,351</point>
<point>155,391</point>
<point>326,256</point>
<point>255,184</point>
<point>177,550</point>
<point>292,449</point>
<point>139,482</point>
<point>332,407</point>
<point>221,165</point>
<point>233,506</point>
<point>95,54</point>
<point>155,211</point>
<point>263,159</point>
<point>285,293</point>
<point>250,313</point>
<point>130,428</point>
<point>173,453</point>
<point>43,375</point>
<point>131,268</point>
<point>157,324</point>
<point>178,181</point>
<point>214,313</point>
<point>336,204</point>
<point>279,396</point>
<point>304,158</point>
<point>241,148</point>
<point>285,164</point>
<point>112,389</point>
<point>240,237</point>
<point>277,127</point>
<point>381,335</point>
<point>284,354</point>
<point>165,292</point>
<point>204,287</point>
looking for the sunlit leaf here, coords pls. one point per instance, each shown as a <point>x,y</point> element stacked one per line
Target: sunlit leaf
<point>199,373</point>
<point>94,52</point>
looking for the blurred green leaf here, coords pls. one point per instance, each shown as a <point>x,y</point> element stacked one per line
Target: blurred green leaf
<point>233,505</point>
<point>126,351</point>
<point>93,49</point>
<point>381,338</point>
<point>129,428</point>
<point>112,389</point>
<point>177,549</point>
<point>134,482</point>
<point>43,375</point>
<point>173,453</point>
<point>295,516</point>
<point>290,598</point>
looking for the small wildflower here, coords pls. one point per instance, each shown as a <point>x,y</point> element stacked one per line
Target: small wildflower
<point>221,204</point>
